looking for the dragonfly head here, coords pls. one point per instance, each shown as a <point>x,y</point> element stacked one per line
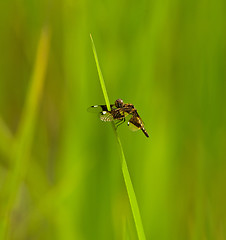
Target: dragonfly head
<point>119,103</point>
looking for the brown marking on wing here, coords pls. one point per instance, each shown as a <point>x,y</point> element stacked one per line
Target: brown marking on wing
<point>137,121</point>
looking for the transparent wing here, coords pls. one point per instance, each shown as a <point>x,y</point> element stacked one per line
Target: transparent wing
<point>132,127</point>
<point>106,116</point>
<point>135,123</point>
<point>98,108</point>
<point>94,109</point>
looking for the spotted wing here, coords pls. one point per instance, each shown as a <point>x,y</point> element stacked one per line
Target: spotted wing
<point>135,123</point>
<point>104,114</point>
<point>99,108</point>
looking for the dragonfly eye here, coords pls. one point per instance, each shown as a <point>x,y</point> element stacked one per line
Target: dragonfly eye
<point>119,103</point>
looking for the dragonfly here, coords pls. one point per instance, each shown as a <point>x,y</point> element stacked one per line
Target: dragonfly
<point>119,112</point>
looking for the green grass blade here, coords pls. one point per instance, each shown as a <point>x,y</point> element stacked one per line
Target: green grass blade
<point>22,147</point>
<point>126,175</point>
<point>102,83</point>
<point>131,193</point>
<point>6,140</point>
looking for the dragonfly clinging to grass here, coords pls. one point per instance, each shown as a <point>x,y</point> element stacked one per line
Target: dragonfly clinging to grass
<point>118,113</point>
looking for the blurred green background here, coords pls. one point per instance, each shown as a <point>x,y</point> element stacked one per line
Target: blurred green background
<point>60,173</point>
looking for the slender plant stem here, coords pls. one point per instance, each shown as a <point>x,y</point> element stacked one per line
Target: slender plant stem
<point>23,142</point>
<point>102,83</point>
<point>125,171</point>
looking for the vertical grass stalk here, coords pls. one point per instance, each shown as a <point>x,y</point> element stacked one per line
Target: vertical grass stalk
<point>20,153</point>
<point>125,171</point>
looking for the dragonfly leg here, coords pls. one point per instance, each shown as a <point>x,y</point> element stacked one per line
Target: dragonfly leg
<point>121,121</point>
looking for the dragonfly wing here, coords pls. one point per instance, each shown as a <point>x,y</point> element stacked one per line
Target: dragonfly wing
<point>132,127</point>
<point>95,109</point>
<point>113,115</point>
<point>135,123</point>
<point>106,116</point>
<point>98,108</point>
